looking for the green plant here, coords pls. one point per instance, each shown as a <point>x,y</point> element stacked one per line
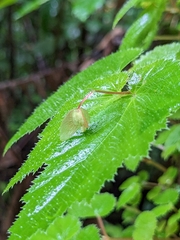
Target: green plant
<point>121,131</point>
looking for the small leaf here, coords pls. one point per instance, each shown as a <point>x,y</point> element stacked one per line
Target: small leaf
<point>129,215</point>
<point>74,119</point>
<point>100,205</point>
<point>128,194</point>
<point>143,175</point>
<point>128,182</point>
<point>153,193</point>
<point>167,196</point>
<point>169,176</point>
<point>113,230</point>
<point>64,227</point>
<point>89,232</point>
<point>28,7</point>
<point>145,225</point>
<point>5,3</point>
<point>171,229</point>
<point>174,218</point>
<point>162,209</point>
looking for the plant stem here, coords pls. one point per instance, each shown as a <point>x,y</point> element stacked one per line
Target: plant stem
<point>101,226</point>
<point>102,91</point>
<point>155,164</point>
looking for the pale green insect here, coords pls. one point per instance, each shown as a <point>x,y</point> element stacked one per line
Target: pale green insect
<point>75,119</point>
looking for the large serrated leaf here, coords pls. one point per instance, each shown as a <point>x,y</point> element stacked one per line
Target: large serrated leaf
<point>120,129</point>
<point>74,90</point>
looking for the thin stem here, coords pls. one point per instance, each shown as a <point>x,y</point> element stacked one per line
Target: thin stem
<point>101,225</point>
<point>85,98</point>
<point>155,164</point>
<point>167,38</point>
<point>101,91</point>
<point>109,92</point>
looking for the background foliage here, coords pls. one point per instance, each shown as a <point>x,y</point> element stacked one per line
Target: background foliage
<point>121,133</point>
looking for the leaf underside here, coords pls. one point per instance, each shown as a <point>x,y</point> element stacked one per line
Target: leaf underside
<point>120,132</point>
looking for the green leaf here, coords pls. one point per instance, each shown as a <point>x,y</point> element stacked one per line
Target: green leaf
<point>5,3</point>
<point>74,90</point>
<point>129,4</point>
<point>113,230</point>
<point>143,175</point>
<point>28,7</point>
<point>83,9</point>
<point>168,51</point>
<point>145,225</point>
<point>89,232</point>
<point>61,228</point>
<point>169,176</point>
<point>128,194</point>
<point>167,196</point>
<point>162,209</point>
<point>129,215</point>
<point>171,229</point>
<point>128,182</point>
<point>174,218</point>
<point>99,205</point>
<point>121,129</point>
<point>171,139</point>
<point>143,30</point>
<point>153,193</point>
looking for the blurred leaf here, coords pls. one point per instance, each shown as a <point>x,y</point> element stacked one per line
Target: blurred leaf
<point>145,225</point>
<point>167,196</point>
<point>128,194</point>
<point>172,224</point>
<point>83,9</point>
<point>113,230</point>
<point>153,193</point>
<point>128,182</point>
<point>162,209</point>
<point>143,30</point>
<point>5,3</point>
<point>127,232</point>
<point>143,175</point>
<point>128,4</point>
<point>99,205</point>
<point>28,7</point>
<point>171,140</point>
<point>169,176</point>
<point>171,229</point>
<point>129,215</point>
